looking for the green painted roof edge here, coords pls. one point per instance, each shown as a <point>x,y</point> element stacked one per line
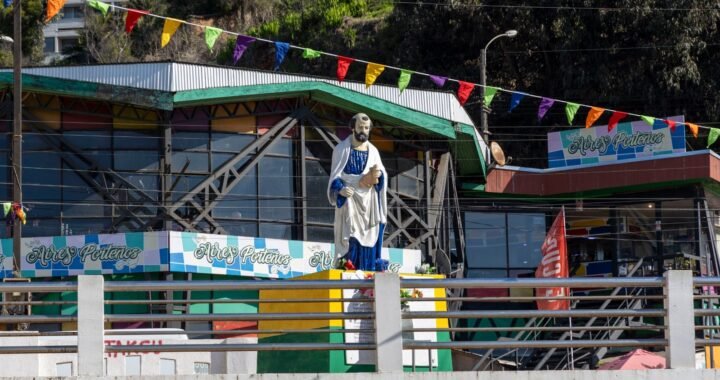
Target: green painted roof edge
<point>130,95</point>
<point>470,130</point>
<point>328,93</point>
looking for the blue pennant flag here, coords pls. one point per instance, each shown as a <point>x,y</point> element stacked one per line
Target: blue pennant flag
<point>281,49</point>
<point>515,100</point>
<point>7,3</point>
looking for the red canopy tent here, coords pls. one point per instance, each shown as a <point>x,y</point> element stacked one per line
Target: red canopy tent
<point>636,359</point>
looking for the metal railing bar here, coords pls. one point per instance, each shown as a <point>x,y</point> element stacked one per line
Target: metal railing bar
<point>240,347</point>
<point>463,314</point>
<point>707,312</point>
<point>37,350</point>
<point>37,318</point>
<point>417,345</point>
<point>555,328</point>
<point>220,301</point>
<point>38,287</point>
<point>706,281</point>
<point>10,334</point>
<point>147,286</point>
<point>575,282</point>
<point>236,317</point>
<point>532,299</point>
<point>238,332</point>
<point>38,303</point>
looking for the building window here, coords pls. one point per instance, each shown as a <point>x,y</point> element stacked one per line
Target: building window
<point>167,366</point>
<point>64,369</point>
<point>68,43</point>
<point>503,244</point>
<point>49,45</point>
<point>133,365</point>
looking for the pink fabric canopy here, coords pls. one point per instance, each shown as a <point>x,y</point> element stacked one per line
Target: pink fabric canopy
<point>636,359</point>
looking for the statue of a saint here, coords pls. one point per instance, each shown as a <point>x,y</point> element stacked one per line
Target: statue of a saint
<point>358,190</point>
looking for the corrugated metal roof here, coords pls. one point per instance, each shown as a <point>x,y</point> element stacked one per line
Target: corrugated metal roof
<point>175,77</point>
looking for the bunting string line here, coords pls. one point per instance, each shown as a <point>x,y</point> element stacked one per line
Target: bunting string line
<point>374,70</point>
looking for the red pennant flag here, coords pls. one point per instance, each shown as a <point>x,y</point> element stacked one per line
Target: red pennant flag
<point>615,118</point>
<point>593,115</point>
<point>554,264</point>
<point>343,66</point>
<point>464,91</point>
<point>672,124</point>
<point>132,18</point>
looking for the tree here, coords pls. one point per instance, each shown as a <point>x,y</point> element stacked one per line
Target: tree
<point>32,22</point>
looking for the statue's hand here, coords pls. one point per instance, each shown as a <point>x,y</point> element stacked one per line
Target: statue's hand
<point>347,192</point>
<point>371,178</point>
<point>376,173</point>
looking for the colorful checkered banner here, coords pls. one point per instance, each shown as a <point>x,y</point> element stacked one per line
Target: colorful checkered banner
<point>627,141</point>
<point>268,258</point>
<point>140,252</point>
<point>132,252</point>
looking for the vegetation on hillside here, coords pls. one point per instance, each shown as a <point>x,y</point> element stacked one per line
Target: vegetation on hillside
<point>649,57</point>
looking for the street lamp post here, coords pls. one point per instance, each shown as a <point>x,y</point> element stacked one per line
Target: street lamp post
<point>483,82</point>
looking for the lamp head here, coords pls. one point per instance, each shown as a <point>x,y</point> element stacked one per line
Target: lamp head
<point>511,33</point>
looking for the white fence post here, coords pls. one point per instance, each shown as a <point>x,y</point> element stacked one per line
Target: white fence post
<point>679,323</point>
<point>91,319</point>
<point>388,323</point>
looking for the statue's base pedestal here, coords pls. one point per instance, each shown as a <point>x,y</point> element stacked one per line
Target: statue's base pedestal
<point>339,361</point>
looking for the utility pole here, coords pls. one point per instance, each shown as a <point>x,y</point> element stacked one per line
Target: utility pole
<point>17,131</point>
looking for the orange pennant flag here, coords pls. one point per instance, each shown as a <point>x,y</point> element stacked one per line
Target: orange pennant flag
<point>53,7</point>
<point>593,115</point>
<point>693,128</point>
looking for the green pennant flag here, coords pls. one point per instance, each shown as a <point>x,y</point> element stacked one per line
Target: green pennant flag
<point>713,136</point>
<point>488,95</point>
<point>570,111</point>
<point>99,5</point>
<point>211,35</point>
<point>310,53</point>
<point>6,208</point>
<point>404,79</point>
<point>648,119</point>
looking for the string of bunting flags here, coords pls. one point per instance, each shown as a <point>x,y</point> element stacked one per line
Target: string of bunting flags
<point>374,70</point>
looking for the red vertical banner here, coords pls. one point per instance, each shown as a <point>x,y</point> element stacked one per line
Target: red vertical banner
<point>554,264</point>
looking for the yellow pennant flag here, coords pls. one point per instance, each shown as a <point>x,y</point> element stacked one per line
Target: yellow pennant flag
<point>372,73</point>
<point>693,128</point>
<point>53,7</point>
<point>170,27</point>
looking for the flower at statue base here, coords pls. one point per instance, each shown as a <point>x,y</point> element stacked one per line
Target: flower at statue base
<point>345,264</point>
<point>425,269</point>
<point>406,295</point>
<point>367,292</point>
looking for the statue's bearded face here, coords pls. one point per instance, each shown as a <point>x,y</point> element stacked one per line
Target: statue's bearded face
<point>362,128</point>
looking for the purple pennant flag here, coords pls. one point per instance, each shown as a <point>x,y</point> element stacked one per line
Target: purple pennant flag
<point>240,46</point>
<point>545,104</point>
<point>515,100</point>
<point>438,80</point>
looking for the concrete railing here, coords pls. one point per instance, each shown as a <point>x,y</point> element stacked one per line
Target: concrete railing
<point>676,290</point>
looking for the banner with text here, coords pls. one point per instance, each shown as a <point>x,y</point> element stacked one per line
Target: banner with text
<point>54,256</point>
<point>139,252</point>
<point>630,140</point>
<point>259,257</point>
